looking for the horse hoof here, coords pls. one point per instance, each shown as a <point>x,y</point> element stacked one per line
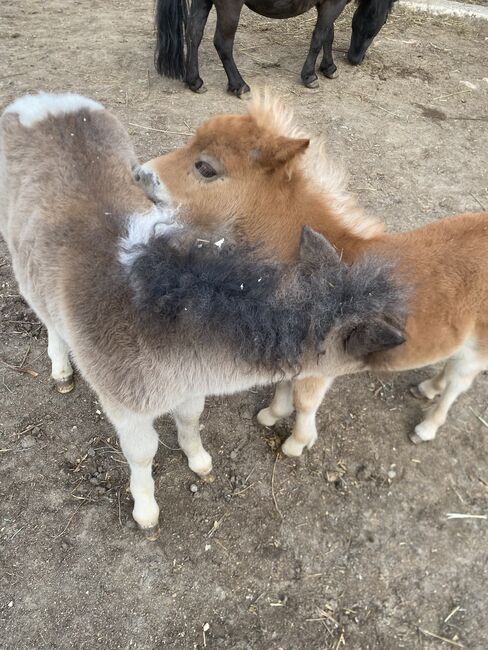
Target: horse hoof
<point>415,391</point>
<point>243,90</point>
<point>266,418</point>
<point>151,534</point>
<point>238,92</point>
<point>292,448</point>
<point>313,83</point>
<point>330,73</point>
<point>415,438</point>
<point>209,477</point>
<point>64,386</point>
<point>197,86</point>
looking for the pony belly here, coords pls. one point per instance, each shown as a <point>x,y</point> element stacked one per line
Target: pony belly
<point>280,8</point>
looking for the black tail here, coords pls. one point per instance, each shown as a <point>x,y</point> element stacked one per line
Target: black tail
<point>171,18</point>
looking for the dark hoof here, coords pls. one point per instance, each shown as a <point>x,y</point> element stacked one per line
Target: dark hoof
<point>414,390</point>
<point>65,385</point>
<point>151,534</point>
<point>311,82</point>
<point>238,92</point>
<point>197,86</point>
<point>330,72</point>
<point>415,438</point>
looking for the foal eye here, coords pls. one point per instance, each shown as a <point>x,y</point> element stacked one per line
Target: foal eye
<point>205,169</point>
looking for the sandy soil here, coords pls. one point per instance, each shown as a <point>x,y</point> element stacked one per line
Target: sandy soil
<point>361,554</point>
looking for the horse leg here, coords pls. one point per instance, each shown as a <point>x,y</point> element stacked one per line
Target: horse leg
<point>328,67</point>
<point>197,20</point>
<point>187,418</point>
<point>61,370</point>
<point>326,14</point>
<point>280,407</point>
<point>308,394</point>
<point>139,442</point>
<point>459,373</point>
<point>228,14</point>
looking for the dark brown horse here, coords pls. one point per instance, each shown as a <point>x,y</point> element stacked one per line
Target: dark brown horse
<point>172,19</point>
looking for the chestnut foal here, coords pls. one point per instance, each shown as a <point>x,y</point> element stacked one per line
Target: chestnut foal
<point>259,169</point>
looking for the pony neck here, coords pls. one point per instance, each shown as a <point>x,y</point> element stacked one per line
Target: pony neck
<point>279,222</point>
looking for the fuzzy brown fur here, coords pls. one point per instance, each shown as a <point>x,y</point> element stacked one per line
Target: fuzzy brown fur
<point>446,262</point>
<point>154,326</point>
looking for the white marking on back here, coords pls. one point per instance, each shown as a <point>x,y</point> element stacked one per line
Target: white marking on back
<point>36,108</point>
<point>140,229</point>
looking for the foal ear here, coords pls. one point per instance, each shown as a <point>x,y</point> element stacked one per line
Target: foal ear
<point>315,248</point>
<point>372,336</point>
<point>280,150</point>
<point>285,149</point>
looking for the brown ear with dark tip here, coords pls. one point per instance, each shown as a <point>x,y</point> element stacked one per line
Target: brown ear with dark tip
<point>280,150</point>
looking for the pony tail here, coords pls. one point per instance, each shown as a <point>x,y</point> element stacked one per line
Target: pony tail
<point>169,56</point>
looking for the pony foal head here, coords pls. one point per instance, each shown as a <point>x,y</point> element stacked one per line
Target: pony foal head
<point>239,168</point>
<point>257,173</point>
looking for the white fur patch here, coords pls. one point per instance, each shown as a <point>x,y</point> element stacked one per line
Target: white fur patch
<point>36,108</point>
<point>140,229</point>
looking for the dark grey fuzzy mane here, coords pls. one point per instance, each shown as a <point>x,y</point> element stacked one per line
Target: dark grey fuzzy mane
<point>268,313</point>
<point>365,291</point>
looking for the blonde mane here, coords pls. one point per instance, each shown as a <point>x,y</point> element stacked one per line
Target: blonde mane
<point>329,178</point>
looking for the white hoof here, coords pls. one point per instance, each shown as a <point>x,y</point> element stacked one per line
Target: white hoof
<point>266,418</point>
<point>292,448</point>
<point>423,432</point>
<point>201,463</point>
<point>146,516</point>
<point>426,390</point>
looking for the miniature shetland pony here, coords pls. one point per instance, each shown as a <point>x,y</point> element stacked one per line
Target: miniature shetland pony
<point>157,314</point>
<point>172,19</point>
<point>226,171</point>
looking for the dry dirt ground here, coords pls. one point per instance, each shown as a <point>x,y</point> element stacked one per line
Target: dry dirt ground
<point>358,551</point>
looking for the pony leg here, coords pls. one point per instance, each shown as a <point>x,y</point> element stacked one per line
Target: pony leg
<point>458,376</point>
<point>187,418</point>
<point>328,67</point>
<point>431,388</point>
<point>280,407</point>
<point>61,370</point>
<point>308,394</point>
<point>327,12</point>
<point>139,442</point>
<point>228,14</point>
<point>197,20</point>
